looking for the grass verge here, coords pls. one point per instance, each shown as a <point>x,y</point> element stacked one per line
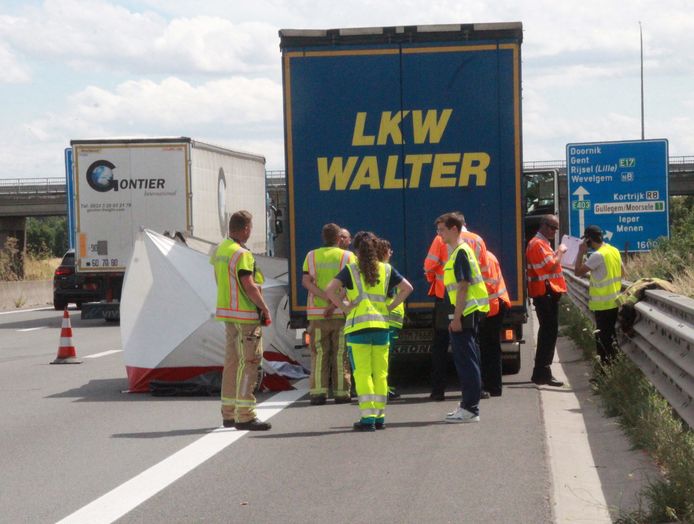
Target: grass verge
<point>648,421</point>
<point>40,269</point>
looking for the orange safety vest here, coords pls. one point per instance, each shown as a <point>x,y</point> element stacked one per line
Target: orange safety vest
<point>433,267</point>
<point>480,248</point>
<point>496,287</point>
<point>543,268</point>
<point>438,256</point>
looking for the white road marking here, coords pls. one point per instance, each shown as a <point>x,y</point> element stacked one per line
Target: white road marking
<point>104,353</point>
<point>25,310</point>
<point>26,330</point>
<point>126,497</point>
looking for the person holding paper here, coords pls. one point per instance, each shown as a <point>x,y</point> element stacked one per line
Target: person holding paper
<point>545,286</point>
<point>605,268</point>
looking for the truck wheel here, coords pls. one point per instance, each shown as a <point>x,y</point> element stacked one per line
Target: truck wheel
<point>512,366</point>
<point>59,304</point>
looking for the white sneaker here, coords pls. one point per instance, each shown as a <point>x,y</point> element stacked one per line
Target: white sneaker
<point>461,415</point>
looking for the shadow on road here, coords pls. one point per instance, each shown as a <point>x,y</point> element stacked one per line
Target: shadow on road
<point>164,434</point>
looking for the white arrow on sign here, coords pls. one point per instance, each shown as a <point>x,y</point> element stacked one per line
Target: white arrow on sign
<point>608,235</point>
<point>580,193</point>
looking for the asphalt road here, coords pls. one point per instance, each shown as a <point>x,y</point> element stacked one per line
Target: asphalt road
<point>70,435</point>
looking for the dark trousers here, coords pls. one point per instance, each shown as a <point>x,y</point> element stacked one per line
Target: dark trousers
<point>439,348</point>
<point>490,353</point>
<point>547,310</point>
<point>466,356</point>
<point>605,340</point>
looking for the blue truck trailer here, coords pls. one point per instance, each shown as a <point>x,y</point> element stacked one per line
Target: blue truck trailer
<point>387,128</point>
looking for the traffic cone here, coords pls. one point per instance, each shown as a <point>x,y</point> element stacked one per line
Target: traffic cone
<point>66,351</point>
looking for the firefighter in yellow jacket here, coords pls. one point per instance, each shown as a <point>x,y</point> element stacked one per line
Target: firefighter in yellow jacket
<point>326,324</point>
<point>241,307</point>
<point>367,283</point>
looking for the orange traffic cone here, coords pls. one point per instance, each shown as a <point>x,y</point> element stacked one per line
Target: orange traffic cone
<point>66,351</point>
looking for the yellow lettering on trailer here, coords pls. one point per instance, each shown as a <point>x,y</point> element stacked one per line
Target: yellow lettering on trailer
<point>391,181</point>
<point>431,126</point>
<point>390,127</point>
<point>367,174</point>
<point>474,164</point>
<point>444,164</point>
<point>358,137</point>
<point>335,174</point>
<point>444,170</point>
<point>416,161</point>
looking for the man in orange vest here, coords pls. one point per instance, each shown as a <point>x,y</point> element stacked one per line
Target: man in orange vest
<point>433,271</point>
<point>490,344</point>
<point>545,286</point>
<point>436,259</point>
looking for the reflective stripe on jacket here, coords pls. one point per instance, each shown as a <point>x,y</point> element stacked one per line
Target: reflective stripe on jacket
<point>479,248</point>
<point>477,298</point>
<point>323,264</point>
<point>543,268</point>
<point>233,305</point>
<point>370,309</point>
<point>433,267</point>
<point>496,287</point>
<point>603,293</point>
<point>396,316</point>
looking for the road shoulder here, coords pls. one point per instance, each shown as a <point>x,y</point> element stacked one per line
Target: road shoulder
<point>596,474</point>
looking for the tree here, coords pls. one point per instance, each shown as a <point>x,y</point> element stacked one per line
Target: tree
<point>46,236</point>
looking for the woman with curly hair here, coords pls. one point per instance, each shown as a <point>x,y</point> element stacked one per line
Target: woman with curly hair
<point>367,285</point>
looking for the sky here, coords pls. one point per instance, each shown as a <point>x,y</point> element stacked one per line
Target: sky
<point>211,70</point>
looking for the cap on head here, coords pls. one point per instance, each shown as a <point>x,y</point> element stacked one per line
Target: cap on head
<point>593,232</point>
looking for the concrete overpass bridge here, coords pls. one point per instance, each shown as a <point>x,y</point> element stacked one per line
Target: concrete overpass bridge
<point>29,197</point>
<point>35,197</point>
<point>680,172</point>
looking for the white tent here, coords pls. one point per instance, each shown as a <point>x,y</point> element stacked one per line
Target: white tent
<point>167,314</point>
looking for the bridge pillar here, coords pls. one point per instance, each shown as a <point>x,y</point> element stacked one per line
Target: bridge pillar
<point>14,227</point>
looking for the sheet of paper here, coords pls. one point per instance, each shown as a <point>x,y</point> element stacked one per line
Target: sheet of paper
<point>572,244</point>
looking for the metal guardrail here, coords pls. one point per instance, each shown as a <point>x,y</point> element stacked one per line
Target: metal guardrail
<point>662,345</point>
<point>32,186</point>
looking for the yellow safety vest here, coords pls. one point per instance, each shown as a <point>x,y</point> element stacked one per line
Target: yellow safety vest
<point>603,293</point>
<point>397,315</point>
<point>370,310</point>
<point>477,298</point>
<point>233,305</point>
<point>323,264</point>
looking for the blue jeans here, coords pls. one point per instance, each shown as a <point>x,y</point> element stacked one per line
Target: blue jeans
<point>466,356</point>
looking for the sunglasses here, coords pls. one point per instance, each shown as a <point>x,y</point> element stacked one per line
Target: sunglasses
<point>552,226</point>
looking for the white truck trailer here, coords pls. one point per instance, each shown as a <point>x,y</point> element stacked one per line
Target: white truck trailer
<point>175,186</point>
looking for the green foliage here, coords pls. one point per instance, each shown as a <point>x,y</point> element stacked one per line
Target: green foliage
<point>11,260</point>
<point>651,424</point>
<point>577,327</point>
<point>673,258</point>
<point>47,237</point>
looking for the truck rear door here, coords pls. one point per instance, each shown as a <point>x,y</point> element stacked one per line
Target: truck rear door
<point>386,130</point>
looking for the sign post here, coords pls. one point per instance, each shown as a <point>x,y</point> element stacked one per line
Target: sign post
<point>621,187</point>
